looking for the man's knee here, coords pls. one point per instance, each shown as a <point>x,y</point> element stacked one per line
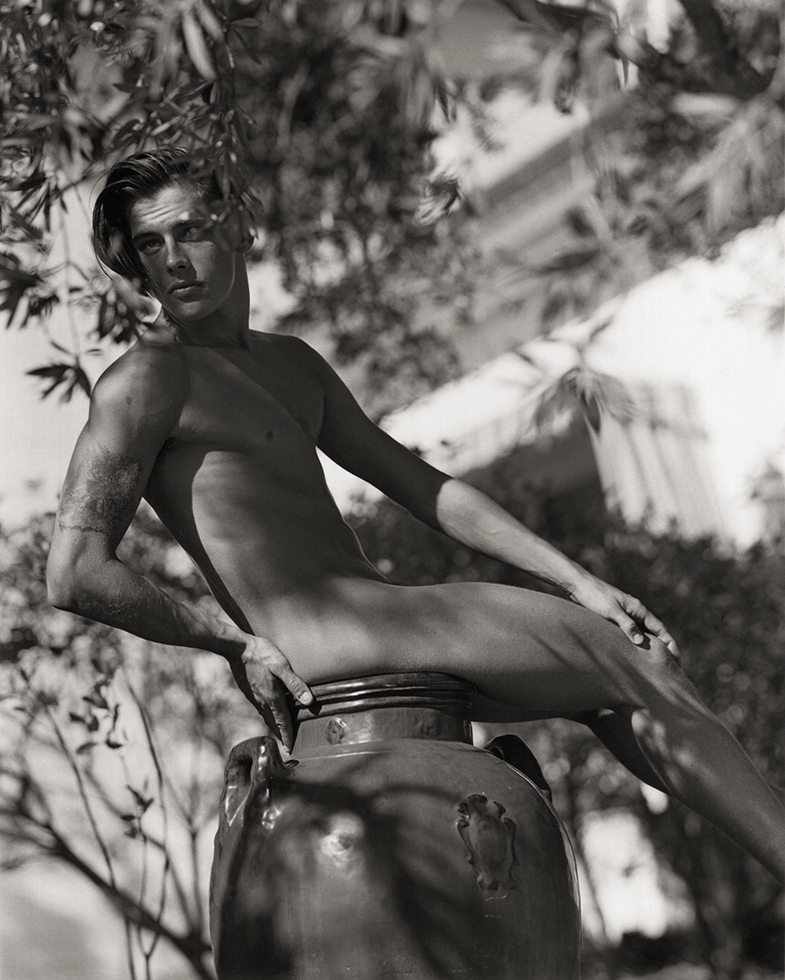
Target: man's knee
<point>648,669</point>
<point>663,675</point>
<point>656,658</point>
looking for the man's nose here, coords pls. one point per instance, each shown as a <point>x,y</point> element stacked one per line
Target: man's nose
<point>176,259</point>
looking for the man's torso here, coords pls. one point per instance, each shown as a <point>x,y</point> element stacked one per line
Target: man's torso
<point>239,484</point>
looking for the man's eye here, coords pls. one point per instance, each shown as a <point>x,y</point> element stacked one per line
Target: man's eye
<point>192,233</point>
<point>148,246</point>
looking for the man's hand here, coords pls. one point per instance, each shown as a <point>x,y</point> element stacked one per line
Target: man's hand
<point>264,675</point>
<point>629,614</point>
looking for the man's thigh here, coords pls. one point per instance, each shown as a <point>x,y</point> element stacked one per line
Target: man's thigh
<point>534,652</point>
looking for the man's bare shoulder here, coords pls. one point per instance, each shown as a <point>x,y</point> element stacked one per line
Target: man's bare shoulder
<point>149,378</point>
<point>298,353</point>
<point>286,344</point>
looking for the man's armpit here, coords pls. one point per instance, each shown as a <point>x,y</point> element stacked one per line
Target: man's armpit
<point>103,495</point>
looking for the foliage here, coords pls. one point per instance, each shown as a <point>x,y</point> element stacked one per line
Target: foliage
<point>697,161</point>
<point>319,113</point>
<point>324,115</point>
<point>113,751</point>
<point>725,610</point>
<point>681,160</point>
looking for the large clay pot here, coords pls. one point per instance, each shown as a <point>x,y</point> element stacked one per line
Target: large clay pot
<point>390,847</point>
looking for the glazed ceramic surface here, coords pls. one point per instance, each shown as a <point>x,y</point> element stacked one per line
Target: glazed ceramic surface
<point>388,846</point>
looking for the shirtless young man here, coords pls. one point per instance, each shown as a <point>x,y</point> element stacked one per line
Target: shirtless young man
<point>217,426</point>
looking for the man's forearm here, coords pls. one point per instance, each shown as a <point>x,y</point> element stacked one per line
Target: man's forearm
<point>470,517</point>
<point>111,593</point>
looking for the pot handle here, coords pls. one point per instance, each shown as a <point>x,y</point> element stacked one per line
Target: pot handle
<point>252,765</point>
<point>515,752</point>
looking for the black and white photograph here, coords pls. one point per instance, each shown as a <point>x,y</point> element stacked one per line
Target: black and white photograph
<point>392,489</point>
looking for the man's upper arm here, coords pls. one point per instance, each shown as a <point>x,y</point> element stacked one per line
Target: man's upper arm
<point>134,407</point>
<point>360,446</point>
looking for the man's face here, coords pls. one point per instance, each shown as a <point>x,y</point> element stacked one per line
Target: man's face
<point>188,261</point>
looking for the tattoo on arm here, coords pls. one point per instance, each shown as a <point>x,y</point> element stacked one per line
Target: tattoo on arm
<point>103,499</point>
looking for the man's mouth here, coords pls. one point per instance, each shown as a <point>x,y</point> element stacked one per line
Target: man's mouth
<point>180,287</point>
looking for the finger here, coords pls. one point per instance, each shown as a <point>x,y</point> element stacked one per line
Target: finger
<point>283,722</point>
<point>630,628</point>
<point>248,691</point>
<point>274,711</point>
<point>624,616</point>
<point>296,685</point>
<point>264,704</point>
<point>262,701</point>
<point>652,625</point>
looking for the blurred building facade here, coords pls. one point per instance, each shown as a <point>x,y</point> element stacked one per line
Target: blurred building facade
<point>699,351</point>
<point>695,354</point>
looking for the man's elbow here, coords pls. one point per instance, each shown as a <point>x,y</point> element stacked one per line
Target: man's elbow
<point>61,593</point>
<point>66,587</point>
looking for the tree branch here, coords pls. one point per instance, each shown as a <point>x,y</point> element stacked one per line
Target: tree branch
<point>729,72</point>
<point>191,945</point>
<point>551,17</point>
<point>147,838</point>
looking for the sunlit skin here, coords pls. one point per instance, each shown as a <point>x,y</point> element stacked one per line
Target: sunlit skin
<point>217,426</point>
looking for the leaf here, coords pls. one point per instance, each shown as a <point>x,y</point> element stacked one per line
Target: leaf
<point>127,129</point>
<point>599,393</point>
<point>143,802</point>
<point>594,392</point>
<point>40,306</point>
<point>36,121</point>
<point>70,376</point>
<point>579,223</point>
<point>208,20</point>
<point>706,106</point>
<point>97,700</point>
<point>14,283</point>
<point>557,301</point>
<point>56,372</point>
<point>570,261</point>
<point>197,48</point>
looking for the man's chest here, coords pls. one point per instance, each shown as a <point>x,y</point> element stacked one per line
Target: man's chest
<point>240,403</point>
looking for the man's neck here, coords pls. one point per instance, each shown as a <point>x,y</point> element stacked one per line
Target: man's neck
<point>212,335</point>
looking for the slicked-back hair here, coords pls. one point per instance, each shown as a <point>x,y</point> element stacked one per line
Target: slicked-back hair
<point>139,176</point>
